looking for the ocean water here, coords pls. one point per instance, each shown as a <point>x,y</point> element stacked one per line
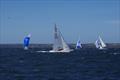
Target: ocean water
<point>84,64</point>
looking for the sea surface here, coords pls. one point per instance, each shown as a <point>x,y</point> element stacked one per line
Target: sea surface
<point>84,64</point>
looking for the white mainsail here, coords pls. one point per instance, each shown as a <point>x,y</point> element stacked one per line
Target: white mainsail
<point>100,44</point>
<point>59,43</point>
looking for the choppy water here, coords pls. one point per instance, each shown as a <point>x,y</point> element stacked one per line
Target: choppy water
<point>85,64</point>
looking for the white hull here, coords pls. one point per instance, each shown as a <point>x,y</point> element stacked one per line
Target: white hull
<point>52,51</point>
<point>61,51</point>
<point>25,48</point>
<point>101,48</point>
<point>42,51</point>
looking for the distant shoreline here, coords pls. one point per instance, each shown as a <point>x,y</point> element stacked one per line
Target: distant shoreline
<point>89,45</point>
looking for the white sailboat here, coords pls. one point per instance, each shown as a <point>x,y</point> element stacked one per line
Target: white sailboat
<point>78,45</point>
<point>100,44</point>
<point>59,43</point>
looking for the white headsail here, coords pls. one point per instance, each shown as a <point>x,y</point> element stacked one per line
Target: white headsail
<point>102,43</point>
<point>65,46</point>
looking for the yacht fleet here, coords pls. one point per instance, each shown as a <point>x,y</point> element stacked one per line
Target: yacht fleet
<point>61,46</point>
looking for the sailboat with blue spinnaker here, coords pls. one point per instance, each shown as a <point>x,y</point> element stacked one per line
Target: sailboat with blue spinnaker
<point>26,42</point>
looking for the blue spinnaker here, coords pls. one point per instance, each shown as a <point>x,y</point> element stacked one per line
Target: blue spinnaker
<point>26,41</point>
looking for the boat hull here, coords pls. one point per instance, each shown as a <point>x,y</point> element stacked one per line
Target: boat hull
<point>61,51</point>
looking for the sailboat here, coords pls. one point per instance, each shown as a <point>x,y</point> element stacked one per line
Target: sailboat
<point>26,42</point>
<point>78,45</point>
<point>100,44</point>
<point>59,43</point>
